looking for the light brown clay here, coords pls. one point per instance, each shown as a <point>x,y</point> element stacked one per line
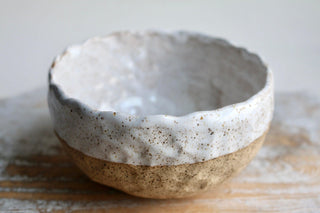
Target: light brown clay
<point>163,182</point>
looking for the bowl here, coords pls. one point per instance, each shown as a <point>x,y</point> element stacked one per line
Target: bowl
<point>160,114</point>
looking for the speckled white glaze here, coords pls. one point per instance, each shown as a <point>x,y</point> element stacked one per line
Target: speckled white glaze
<point>159,98</point>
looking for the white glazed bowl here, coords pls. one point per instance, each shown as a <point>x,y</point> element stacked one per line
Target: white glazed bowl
<point>159,114</point>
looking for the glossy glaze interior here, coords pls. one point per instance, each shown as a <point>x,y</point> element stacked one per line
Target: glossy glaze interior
<point>158,74</point>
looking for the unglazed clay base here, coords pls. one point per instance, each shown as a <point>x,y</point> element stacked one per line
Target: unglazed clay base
<point>163,182</point>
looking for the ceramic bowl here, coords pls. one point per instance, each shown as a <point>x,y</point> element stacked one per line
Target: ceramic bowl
<point>160,114</point>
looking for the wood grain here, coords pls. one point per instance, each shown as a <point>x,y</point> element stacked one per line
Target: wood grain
<point>37,176</point>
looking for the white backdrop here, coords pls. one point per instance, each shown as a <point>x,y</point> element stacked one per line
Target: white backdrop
<point>286,33</point>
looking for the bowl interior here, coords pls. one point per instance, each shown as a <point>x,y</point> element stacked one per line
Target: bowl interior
<point>154,73</point>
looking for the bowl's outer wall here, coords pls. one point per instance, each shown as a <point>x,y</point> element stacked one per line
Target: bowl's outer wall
<point>163,182</point>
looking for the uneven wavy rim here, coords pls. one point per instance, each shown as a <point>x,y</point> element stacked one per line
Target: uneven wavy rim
<point>64,99</point>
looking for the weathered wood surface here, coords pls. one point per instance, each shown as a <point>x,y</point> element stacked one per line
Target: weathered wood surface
<point>37,176</point>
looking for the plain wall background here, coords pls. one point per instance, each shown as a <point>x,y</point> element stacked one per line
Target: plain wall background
<point>286,33</point>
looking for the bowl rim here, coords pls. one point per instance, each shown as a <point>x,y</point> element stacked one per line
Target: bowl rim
<point>63,98</point>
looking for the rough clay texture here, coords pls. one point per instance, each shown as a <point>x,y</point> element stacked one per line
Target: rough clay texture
<point>163,182</point>
<point>227,91</point>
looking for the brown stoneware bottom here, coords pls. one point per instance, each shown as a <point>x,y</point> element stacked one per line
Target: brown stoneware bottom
<point>162,182</point>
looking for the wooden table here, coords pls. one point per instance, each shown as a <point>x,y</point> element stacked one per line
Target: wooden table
<point>37,176</point>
